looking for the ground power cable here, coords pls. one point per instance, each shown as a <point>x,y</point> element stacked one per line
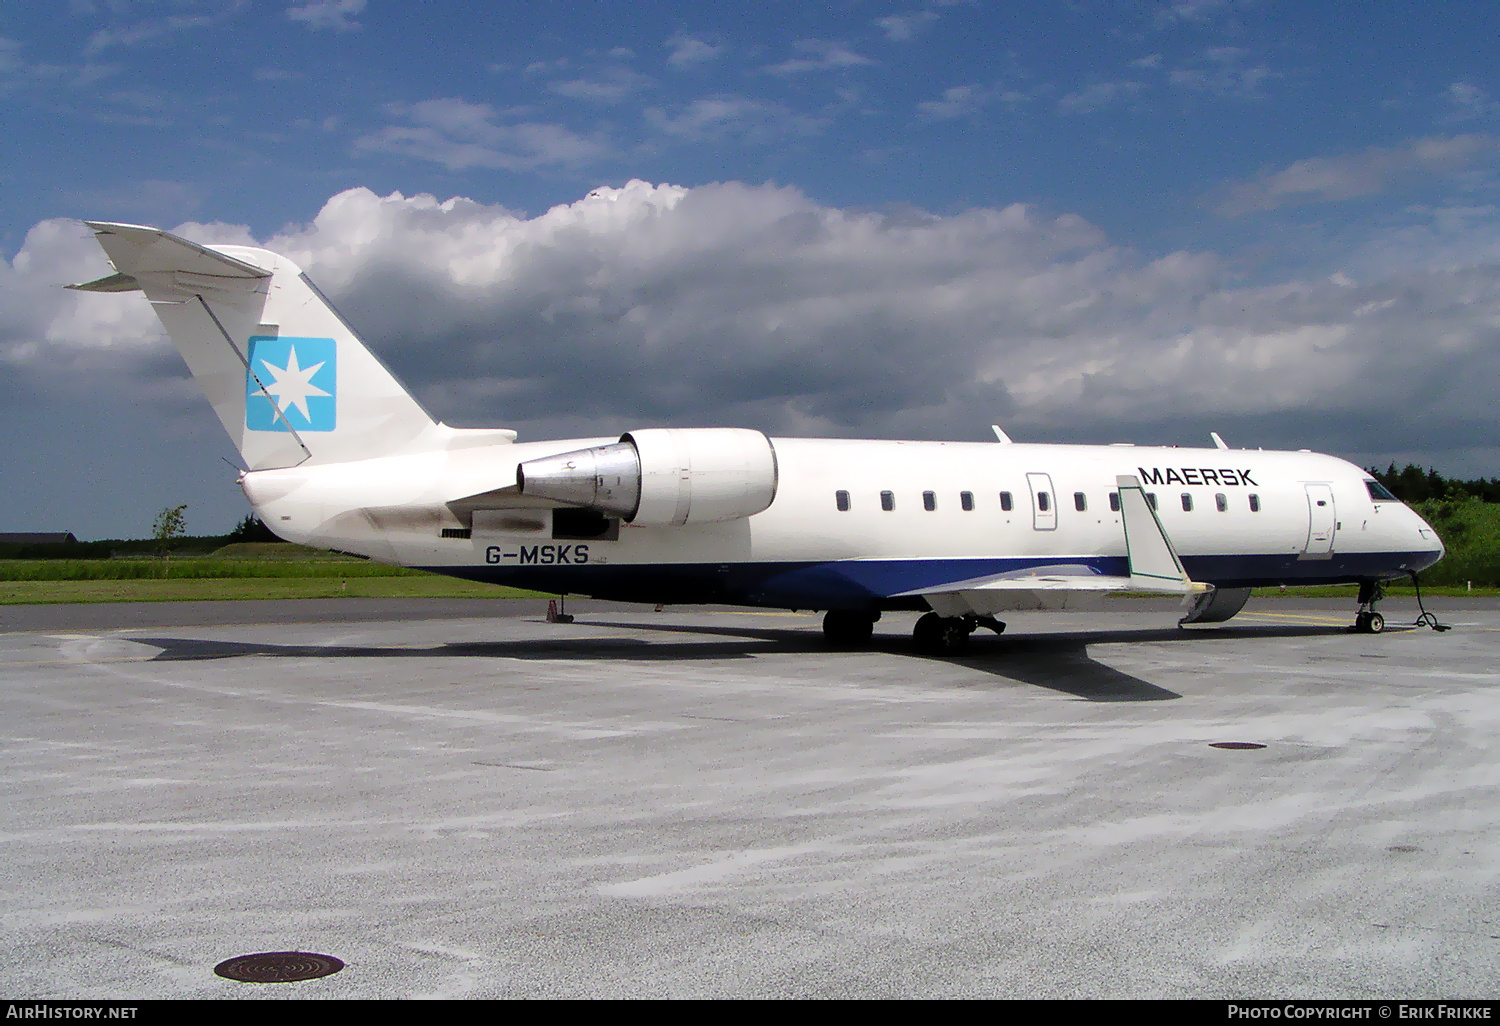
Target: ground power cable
<point>1426,619</point>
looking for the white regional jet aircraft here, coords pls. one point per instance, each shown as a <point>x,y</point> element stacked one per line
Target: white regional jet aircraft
<point>340,456</point>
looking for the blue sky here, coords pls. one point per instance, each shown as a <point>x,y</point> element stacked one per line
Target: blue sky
<point>1274,219</point>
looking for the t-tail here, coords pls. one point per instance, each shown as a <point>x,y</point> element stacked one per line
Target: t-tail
<point>290,380</point>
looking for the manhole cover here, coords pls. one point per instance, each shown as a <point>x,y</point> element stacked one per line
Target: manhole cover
<point>278,967</point>
<point>1236,746</point>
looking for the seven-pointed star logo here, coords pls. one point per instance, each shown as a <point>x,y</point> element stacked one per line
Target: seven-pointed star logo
<point>293,384</point>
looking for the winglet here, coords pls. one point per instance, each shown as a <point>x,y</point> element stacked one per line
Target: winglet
<point>1000,436</point>
<point>1218,442</point>
<point>1153,561</point>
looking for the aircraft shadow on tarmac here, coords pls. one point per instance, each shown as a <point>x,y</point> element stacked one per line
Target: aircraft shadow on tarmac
<point>1057,662</point>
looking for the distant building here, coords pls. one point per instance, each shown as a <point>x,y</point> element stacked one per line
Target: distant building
<point>36,537</point>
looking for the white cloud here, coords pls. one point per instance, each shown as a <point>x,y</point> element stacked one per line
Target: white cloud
<point>10,56</point>
<point>1195,12</point>
<point>1099,96</point>
<point>730,304</point>
<point>143,32</point>
<point>899,28</point>
<point>728,116</point>
<point>1372,170</point>
<point>823,55</point>
<point>963,100</point>
<point>337,15</point>
<point>1224,71</point>
<point>460,135</point>
<point>1469,102</point>
<point>690,50</point>
<point>44,325</point>
<point>611,85</point>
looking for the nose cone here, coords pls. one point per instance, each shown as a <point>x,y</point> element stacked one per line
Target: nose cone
<point>1429,547</point>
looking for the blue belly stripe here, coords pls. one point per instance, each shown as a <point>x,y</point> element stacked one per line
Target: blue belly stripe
<point>870,583</point>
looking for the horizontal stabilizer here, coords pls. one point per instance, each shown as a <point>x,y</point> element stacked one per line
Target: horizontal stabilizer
<point>117,282</point>
<point>137,250</point>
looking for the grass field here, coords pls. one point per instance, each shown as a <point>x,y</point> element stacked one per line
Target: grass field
<point>242,571</point>
<point>221,589</point>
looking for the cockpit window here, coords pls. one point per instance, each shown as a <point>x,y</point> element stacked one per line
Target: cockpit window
<point>1379,492</point>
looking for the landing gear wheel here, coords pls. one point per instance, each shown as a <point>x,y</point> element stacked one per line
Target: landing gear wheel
<point>848,628</point>
<point>1366,620</point>
<point>942,635</point>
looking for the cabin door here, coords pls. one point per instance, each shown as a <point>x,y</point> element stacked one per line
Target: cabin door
<point>1043,502</point>
<point>1322,522</point>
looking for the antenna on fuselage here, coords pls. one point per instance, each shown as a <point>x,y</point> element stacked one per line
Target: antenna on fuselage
<point>1001,436</point>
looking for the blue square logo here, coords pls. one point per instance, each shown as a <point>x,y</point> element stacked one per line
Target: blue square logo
<point>297,377</point>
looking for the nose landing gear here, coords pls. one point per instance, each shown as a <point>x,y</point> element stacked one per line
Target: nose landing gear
<point>1366,620</point>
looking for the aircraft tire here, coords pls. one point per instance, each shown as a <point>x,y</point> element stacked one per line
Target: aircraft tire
<point>848,628</point>
<point>942,635</point>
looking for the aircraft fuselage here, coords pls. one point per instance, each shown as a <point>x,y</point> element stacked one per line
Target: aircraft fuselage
<point>1238,518</point>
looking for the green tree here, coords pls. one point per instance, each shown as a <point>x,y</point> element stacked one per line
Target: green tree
<point>168,527</point>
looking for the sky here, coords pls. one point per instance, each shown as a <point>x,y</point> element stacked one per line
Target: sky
<point>1086,222</point>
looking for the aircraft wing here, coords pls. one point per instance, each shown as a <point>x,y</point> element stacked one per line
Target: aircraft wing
<point>1155,569</point>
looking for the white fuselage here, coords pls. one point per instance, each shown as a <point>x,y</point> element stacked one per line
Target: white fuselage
<point>1314,520</point>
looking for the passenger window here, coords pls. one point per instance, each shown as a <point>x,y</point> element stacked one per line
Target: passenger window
<point>1114,502</point>
<point>929,501</point>
<point>1187,502</point>
<point>1080,501</point>
<point>1005,502</point>
<point>1254,503</point>
<point>1043,501</point>
<point>966,500</point>
<point>842,498</point>
<point>1222,502</point>
<point>1151,498</point>
<point>887,501</point>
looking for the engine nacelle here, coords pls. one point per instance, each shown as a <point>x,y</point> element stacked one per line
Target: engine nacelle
<point>662,476</point>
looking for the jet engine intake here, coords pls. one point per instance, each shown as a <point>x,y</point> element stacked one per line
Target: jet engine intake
<point>662,476</point>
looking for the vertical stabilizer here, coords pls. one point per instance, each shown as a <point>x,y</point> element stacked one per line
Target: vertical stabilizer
<point>288,378</point>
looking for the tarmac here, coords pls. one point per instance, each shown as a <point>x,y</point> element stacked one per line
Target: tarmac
<point>458,799</point>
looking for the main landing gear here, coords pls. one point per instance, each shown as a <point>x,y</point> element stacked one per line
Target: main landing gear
<point>949,635</point>
<point>934,634</point>
<point>1366,620</point>
<point>849,628</point>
